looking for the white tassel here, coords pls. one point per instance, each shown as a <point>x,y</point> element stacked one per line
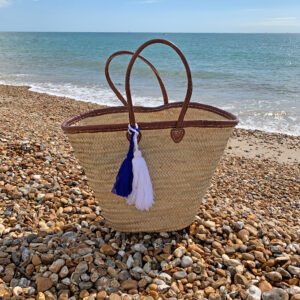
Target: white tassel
<point>142,191</point>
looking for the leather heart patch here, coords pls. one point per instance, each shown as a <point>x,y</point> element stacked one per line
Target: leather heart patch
<point>177,134</point>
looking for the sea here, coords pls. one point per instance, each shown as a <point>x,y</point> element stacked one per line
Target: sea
<point>255,76</point>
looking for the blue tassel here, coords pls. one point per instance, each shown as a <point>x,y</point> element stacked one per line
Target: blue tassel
<point>123,184</point>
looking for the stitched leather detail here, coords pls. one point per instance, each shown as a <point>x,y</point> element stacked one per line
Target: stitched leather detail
<point>69,126</point>
<point>177,134</point>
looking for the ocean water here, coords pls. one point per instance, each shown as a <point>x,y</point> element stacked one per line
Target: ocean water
<point>255,76</point>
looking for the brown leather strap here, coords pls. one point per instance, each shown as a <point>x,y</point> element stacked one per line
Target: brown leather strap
<point>178,132</point>
<point>115,90</point>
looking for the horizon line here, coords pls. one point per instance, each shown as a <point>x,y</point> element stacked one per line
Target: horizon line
<point>160,32</point>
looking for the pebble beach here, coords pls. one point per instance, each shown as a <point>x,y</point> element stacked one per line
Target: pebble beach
<point>54,244</point>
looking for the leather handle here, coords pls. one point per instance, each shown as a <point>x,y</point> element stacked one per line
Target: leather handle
<point>116,91</point>
<point>177,133</point>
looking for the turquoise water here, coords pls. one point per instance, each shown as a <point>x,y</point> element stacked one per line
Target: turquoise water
<point>256,76</point>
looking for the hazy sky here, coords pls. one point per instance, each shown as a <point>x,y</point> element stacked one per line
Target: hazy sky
<point>151,15</point>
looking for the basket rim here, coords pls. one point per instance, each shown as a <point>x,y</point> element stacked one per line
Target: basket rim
<point>67,127</point>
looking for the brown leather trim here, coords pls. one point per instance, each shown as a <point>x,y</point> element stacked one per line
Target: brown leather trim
<point>116,91</point>
<point>67,127</point>
<point>188,74</point>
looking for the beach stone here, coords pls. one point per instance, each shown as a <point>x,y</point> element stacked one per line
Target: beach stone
<point>123,275</point>
<point>130,262</point>
<point>243,248</point>
<point>248,256</point>
<point>85,285</point>
<point>274,276</point>
<point>294,290</point>
<point>83,294</point>
<point>49,296</point>
<point>296,297</point>
<point>82,267</point>
<point>186,261</point>
<point>180,251</point>
<point>129,284</point>
<point>275,249</point>
<point>75,278</point>
<point>147,267</point>
<point>49,197</point>
<point>24,282</point>
<point>43,284</point>
<point>230,262</point>
<point>284,273</point>
<point>294,270</point>
<point>163,287</point>
<point>102,283</point>
<point>47,259</point>
<point>25,254</point>
<point>112,272</point>
<point>41,296</point>
<point>66,281</point>
<point>265,286</point>
<point>209,290</point>
<point>229,250</point>
<point>259,256</point>
<point>15,258</point>
<point>115,297</point>
<point>107,249</point>
<point>226,229</point>
<point>68,209</point>
<point>101,295</point>
<point>94,276</point>
<point>36,260</point>
<point>57,265</point>
<point>180,275</point>
<point>9,274</point>
<point>239,225</point>
<point>64,295</point>
<point>221,272</point>
<point>31,238</point>
<point>251,229</point>
<point>5,292</point>
<point>253,293</point>
<point>17,291</point>
<point>85,277</point>
<point>54,277</point>
<point>139,248</point>
<point>69,237</point>
<point>29,269</point>
<point>63,272</point>
<point>191,277</point>
<point>142,283</point>
<point>275,294</point>
<point>221,281</point>
<point>84,251</point>
<point>165,277</point>
<point>240,279</point>
<point>281,260</point>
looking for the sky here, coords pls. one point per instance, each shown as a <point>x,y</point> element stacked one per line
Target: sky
<point>245,16</point>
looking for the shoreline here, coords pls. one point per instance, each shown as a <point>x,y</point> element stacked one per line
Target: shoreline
<point>54,243</point>
<point>36,90</point>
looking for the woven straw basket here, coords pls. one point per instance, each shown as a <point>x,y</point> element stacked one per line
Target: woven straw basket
<point>181,142</point>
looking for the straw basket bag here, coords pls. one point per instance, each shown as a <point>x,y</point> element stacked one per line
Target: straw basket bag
<point>181,142</point>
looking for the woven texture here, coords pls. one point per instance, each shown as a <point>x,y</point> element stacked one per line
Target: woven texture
<point>180,172</point>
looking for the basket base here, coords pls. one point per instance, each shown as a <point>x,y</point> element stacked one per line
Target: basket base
<point>181,225</point>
